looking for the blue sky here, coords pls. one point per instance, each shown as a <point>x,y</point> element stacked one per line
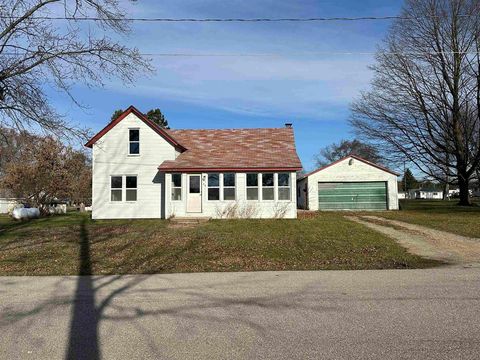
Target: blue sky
<point>296,85</point>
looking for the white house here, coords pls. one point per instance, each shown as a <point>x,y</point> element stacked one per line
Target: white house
<point>143,171</point>
<point>7,204</point>
<point>351,183</point>
<point>426,194</point>
<point>453,193</point>
<point>7,201</point>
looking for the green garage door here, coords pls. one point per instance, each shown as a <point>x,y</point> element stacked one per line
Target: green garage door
<point>352,196</point>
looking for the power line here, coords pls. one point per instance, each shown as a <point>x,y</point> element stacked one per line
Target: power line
<point>419,53</point>
<point>213,20</point>
<point>325,53</point>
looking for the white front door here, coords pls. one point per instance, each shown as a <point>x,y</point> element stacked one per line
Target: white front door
<point>194,194</point>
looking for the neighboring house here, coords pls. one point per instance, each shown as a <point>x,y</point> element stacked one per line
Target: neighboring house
<point>402,195</point>
<point>7,201</point>
<point>7,204</point>
<point>431,194</point>
<point>351,183</point>
<point>475,187</point>
<point>143,171</point>
<point>453,193</point>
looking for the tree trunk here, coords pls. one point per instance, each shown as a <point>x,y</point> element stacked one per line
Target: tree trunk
<point>446,188</point>
<point>463,187</point>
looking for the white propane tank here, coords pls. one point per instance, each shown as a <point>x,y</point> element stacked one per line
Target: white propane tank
<point>25,213</point>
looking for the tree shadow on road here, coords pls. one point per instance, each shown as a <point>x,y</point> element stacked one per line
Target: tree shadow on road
<point>83,339</point>
<point>87,310</point>
<point>200,305</point>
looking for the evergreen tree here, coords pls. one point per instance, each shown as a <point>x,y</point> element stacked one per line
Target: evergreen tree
<point>116,114</point>
<point>409,182</point>
<point>154,115</point>
<point>158,118</point>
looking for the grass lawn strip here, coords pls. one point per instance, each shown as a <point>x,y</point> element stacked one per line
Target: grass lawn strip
<point>51,246</point>
<point>439,215</point>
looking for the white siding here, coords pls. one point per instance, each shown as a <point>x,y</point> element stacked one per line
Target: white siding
<point>7,204</point>
<point>244,208</point>
<point>110,157</point>
<point>357,171</point>
<point>420,194</point>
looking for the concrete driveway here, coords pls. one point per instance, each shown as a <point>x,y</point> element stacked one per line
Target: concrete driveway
<point>426,242</point>
<point>392,314</point>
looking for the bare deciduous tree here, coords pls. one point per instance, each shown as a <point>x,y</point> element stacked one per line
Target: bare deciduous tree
<point>12,144</point>
<point>344,148</point>
<point>37,53</point>
<point>424,100</point>
<point>47,170</point>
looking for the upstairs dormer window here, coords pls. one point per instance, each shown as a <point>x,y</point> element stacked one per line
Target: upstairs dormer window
<point>133,141</point>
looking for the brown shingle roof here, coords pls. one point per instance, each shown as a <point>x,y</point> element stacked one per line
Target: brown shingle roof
<point>234,149</point>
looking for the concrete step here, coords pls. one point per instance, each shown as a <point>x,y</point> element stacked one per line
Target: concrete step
<point>189,220</point>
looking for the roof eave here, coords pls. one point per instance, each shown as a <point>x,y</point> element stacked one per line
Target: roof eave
<point>224,169</point>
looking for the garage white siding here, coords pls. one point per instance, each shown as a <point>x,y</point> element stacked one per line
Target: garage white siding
<point>349,170</point>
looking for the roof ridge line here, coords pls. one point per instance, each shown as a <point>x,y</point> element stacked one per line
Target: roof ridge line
<point>231,129</point>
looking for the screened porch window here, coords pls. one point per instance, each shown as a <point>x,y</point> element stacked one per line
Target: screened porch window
<point>229,186</point>
<point>283,186</point>
<point>268,187</point>
<point>252,186</point>
<point>214,187</point>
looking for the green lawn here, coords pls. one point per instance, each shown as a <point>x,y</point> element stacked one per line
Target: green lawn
<point>439,214</point>
<point>75,244</point>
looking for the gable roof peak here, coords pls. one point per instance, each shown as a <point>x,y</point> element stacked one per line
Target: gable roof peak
<point>132,109</point>
<point>353,156</point>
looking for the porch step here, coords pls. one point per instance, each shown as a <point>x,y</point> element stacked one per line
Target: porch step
<point>188,221</point>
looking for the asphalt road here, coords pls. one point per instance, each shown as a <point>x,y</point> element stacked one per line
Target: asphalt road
<point>405,314</point>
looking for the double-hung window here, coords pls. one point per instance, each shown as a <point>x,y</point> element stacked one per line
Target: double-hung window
<point>268,187</point>
<point>229,186</point>
<point>284,186</point>
<point>213,186</point>
<point>131,188</point>
<point>252,186</point>
<point>176,187</point>
<point>116,188</point>
<point>119,184</point>
<point>133,141</point>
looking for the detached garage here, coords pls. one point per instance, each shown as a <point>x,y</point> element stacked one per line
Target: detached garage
<point>351,183</point>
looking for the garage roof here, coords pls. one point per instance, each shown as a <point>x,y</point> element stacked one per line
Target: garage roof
<point>345,158</point>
